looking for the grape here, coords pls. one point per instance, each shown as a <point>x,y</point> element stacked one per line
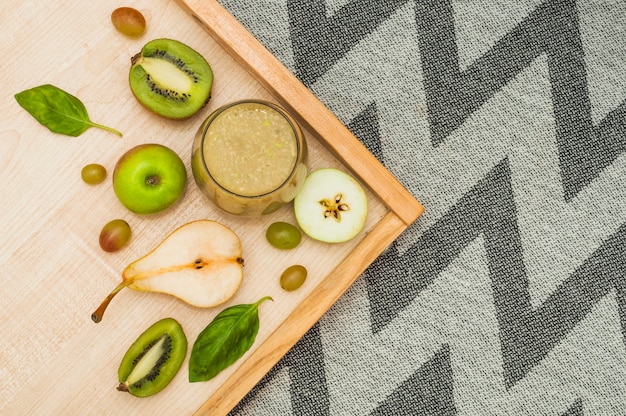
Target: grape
<point>293,277</point>
<point>283,235</point>
<point>129,21</point>
<point>114,235</point>
<point>93,173</point>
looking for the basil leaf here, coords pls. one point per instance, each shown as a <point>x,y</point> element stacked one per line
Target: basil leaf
<point>57,110</point>
<point>231,333</point>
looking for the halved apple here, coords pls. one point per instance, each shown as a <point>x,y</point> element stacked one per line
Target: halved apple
<point>199,263</point>
<point>331,206</point>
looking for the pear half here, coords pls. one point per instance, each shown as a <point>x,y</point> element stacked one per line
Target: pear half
<point>200,263</point>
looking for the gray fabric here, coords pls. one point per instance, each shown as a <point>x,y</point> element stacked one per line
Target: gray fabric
<point>507,120</point>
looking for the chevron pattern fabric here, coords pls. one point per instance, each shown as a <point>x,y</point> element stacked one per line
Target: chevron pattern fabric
<point>507,120</point>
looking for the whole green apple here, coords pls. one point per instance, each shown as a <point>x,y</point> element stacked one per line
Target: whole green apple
<point>149,178</point>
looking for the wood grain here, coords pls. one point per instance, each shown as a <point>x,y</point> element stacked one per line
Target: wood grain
<point>57,361</point>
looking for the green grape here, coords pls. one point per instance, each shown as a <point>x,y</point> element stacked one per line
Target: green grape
<point>293,277</point>
<point>128,21</point>
<point>93,173</point>
<point>283,235</point>
<point>115,235</point>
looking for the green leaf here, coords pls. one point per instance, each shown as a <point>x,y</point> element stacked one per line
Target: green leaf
<point>58,110</point>
<point>231,333</point>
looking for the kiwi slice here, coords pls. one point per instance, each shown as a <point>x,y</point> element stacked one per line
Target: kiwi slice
<point>154,359</point>
<point>170,78</point>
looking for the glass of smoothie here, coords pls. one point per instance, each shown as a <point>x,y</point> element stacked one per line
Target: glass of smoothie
<point>249,157</point>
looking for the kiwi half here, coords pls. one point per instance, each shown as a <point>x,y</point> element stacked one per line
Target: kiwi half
<point>153,359</point>
<point>170,78</point>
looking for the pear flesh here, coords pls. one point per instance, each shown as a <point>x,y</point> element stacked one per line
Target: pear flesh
<point>200,263</point>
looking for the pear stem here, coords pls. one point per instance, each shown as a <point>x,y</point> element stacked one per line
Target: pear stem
<point>96,316</point>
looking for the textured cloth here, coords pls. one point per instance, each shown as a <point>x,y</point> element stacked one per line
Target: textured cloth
<point>507,120</point>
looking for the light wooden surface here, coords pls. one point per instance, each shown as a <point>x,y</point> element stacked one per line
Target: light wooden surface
<point>55,360</point>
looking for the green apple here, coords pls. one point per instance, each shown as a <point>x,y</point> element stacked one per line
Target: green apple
<point>149,178</point>
<point>331,206</point>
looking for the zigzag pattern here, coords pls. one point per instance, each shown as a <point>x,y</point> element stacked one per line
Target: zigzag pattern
<point>487,212</point>
<point>553,29</point>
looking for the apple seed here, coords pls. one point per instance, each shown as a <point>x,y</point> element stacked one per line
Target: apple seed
<point>334,209</point>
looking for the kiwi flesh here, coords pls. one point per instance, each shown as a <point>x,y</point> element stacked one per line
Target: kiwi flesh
<point>170,78</point>
<point>153,359</point>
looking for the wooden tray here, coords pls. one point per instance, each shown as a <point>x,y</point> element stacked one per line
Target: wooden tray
<point>55,360</point>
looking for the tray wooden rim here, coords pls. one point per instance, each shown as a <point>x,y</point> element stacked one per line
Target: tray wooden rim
<point>404,209</point>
